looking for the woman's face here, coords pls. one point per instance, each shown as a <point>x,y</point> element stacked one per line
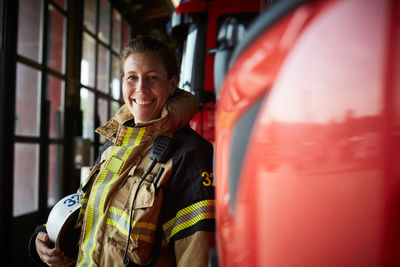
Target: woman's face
<point>145,86</point>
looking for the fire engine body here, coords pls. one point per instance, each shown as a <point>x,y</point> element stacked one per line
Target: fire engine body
<point>195,27</point>
<point>307,136</point>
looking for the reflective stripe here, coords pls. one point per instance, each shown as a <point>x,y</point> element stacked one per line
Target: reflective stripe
<point>127,138</point>
<point>94,214</point>
<point>99,192</point>
<point>188,217</point>
<point>120,215</point>
<point>141,230</point>
<point>139,137</point>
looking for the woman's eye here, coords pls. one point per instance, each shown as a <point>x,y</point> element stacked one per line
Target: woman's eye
<point>153,77</point>
<point>131,78</point>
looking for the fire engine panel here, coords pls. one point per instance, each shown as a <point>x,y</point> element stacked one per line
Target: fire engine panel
<point>196,28</point>
<point>307,163</point>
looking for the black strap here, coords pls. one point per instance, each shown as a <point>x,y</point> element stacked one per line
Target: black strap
<point>160,152</point>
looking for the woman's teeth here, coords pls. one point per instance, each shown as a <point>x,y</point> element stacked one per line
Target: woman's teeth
<point>143,102</point>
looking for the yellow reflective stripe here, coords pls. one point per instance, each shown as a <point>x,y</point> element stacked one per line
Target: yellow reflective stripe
<point>125,217</point>
<point>89,220</point>
<point>86,248</point>
<point>188,217</point>
<point>120,228</point>
<point>188,210</point>
<point>127,136</point>
<point>139,136</point>
<point>140,228</point>
<point>189,223</point>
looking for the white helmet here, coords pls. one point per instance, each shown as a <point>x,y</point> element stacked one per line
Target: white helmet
<point>61,222</point>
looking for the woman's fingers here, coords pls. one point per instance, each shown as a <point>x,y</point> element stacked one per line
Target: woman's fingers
<point>48,255</point>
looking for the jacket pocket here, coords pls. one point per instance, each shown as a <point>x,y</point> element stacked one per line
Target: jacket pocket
<point>144,214</point>
<point>145,195</point>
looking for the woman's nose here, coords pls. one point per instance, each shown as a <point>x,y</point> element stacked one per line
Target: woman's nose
<point>141,84</point>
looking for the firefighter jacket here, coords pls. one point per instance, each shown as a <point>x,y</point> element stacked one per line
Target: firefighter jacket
<point>180,201</point>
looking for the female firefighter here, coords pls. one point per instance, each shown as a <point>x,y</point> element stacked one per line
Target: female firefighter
<point>132,202</point>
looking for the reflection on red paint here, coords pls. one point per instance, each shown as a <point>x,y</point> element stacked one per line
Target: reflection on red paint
<point>319,184</point>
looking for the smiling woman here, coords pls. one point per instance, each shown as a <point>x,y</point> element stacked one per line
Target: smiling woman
<point>146,86</point>
<point>149,197</point>
<point>149,77</point>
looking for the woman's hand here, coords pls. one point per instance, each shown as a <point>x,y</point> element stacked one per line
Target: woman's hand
<point>53,257</point>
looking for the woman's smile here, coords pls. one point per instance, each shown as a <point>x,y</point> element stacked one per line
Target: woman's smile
<point>146,86</point>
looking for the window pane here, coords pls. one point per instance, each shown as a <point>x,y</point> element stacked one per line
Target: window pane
<point>115,78</point>
<point>55,94</point>
<point>61,3</point>
<point>126,33</point>
<point>114,107</point>
<point>90,15</point>
<point>26,178</point>
<point>29,30</point>
<point>103,67</point>
<point>57,40</point>
<point>188,57</point>
<point>116,33</point>
<point>27,101</point>
<point>103,116</point>
<point>55,171</point>
<point>104,25</point>
<point>87,107</point>
<point>87,63</point>
<point>85,169</point>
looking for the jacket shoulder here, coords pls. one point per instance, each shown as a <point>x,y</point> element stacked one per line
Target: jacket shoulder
<point>187,139</point>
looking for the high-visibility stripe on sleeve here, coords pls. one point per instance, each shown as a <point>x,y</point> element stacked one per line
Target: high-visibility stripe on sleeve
<point>189,216</point>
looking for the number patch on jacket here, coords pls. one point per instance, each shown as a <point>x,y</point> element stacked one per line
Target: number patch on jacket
<point>208,179</point>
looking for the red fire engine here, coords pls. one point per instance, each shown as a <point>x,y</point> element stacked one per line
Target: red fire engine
<point>206,33</point>
<point>307,130</point>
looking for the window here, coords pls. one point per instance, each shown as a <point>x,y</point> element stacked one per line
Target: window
<point>103,37</point>
<point>57,26</point>
<point>29,29</point>
<point>41,92</point>
<point>39,106</point>
<point>26,178</point>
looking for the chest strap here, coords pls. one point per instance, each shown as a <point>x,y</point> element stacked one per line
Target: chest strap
<point>160,152</point>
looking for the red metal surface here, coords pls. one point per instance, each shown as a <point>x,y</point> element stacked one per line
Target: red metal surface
<point>320,183</point>
<point>214,10</point>
<point>204,123</point>
<point>191,7</point>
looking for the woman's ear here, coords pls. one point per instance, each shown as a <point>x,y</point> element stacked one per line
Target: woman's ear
<point>172,84</point>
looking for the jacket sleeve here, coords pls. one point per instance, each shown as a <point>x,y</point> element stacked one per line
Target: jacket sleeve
<point>194,250</point>
<point>189,213</point>
<point>32,246</point>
